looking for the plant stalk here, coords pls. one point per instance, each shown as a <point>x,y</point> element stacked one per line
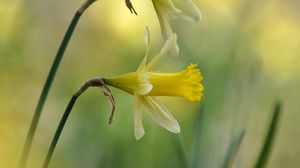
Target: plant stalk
<point>59,130</point>
<point>49,81</point>
<point>94,82</point>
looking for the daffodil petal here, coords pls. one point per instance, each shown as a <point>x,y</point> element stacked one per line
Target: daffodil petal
<point>169,6</point>
<point>161,115</point>
<point>139,131</point>
<point>147,42</point>
<point>170,43</point>
<point>144,86</point>
<point>143,64</point>
<point>147,37</point>
<point>175,50</point>
<point>162,18</point>
<point>166,30</point>
<point>189,10</point>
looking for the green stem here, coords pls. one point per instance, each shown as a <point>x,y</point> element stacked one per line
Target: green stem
<point>59,130</point>
<point>48,83</point>
<point>94,82</point>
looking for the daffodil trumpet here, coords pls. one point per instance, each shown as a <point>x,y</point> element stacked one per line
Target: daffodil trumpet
<point>145,84</point>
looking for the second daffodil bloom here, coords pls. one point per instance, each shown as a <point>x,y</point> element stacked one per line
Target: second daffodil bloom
<point>144,84</point>
<point>174,9</point>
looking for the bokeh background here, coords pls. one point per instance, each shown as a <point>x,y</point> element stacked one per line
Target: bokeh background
<point>248,52</point>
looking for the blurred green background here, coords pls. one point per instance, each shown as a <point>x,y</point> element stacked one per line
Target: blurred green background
<point>248,52</point>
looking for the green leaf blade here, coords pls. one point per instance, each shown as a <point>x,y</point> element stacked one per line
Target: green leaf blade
<point>269,140</point>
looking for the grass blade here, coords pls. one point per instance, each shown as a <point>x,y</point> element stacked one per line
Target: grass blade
<point>48,83</point>
<point>198,126</point>
<point>233,150</point>
<point>180,150</point>
<point>269,139</point>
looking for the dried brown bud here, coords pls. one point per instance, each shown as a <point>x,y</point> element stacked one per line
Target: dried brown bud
<point>108,93</point>
<point>98,82</point>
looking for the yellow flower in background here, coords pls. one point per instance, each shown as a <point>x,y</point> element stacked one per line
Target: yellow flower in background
<point>174,9</point>
<point>144,84</point>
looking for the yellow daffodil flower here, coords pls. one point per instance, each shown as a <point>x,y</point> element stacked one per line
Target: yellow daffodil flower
<point>174,9</point>
<point>144,84</point>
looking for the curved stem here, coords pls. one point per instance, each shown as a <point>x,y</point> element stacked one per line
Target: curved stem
<point>59,130</point>
<point>94,82</point>
<point>48,83</point>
